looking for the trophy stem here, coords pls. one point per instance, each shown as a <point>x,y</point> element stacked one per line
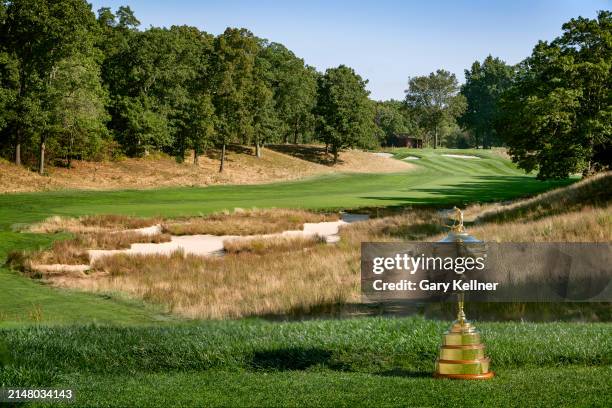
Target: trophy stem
<point>460,312</point>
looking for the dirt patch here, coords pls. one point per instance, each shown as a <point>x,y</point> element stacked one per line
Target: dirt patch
<point>242,167</point>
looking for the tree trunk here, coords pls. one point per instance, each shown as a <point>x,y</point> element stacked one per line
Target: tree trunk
<point>436,138</point>
<point>258,152</point>
<point>222,158</point>
<point>196,154</point>
<point>69,158</point>
<point>326,148</point>
<point>18,153</point>
<point>41,158</point>
<point>335,152</point>
<point>296,132</point>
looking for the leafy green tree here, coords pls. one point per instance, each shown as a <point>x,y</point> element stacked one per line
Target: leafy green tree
<point>77,113</point>
<point>345,114</point>
<point>187,90</point>
<point>144,127</point>
<point>42,33</point>
<point>157,74</point>
<point>391,119</point>
<point>126,18</point>
<point>484,85</point>
<point>557,119</point>
<point>9,86</point>
<point>201,124</point>
<point>295,92</point>
<point>434,100</point>
<point>232,66</point>
<point>265,118</point>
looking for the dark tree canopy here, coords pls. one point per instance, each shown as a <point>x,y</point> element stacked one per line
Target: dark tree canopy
<point>435,100</point>
<point>558,115</point>
<point>484,84</point>
<point>345,114</point>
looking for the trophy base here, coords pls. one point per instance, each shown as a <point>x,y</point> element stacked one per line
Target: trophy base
<point>484,376</point>
<point>462,354</point>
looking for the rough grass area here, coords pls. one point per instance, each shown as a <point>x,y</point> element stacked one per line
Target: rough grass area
<point>233,286</point>
<point>299,276</point>
<point>91,224</point>
<point>246,222</point>
<point>356,362</point>
<point>277,244</point>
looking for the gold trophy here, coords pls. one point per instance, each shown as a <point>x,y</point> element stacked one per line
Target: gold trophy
<point>462,354</point>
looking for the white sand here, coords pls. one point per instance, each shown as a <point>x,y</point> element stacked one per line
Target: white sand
<point>207,245</point>
<point>462,156</point>
<point>380,154</point>
<point>411,158</point>
<point>152,230</point>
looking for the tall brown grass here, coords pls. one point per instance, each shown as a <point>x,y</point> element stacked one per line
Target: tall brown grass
<point>236,285</point>
<point>246,222</point>
<point>91,224</point>
<point>263,245</point>
<point>74,251</point>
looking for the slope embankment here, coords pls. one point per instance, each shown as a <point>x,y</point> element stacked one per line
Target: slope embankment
<point>242,167</point>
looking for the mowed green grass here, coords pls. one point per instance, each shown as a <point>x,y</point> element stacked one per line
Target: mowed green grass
<point>355,362</point>
<point>436,181</point>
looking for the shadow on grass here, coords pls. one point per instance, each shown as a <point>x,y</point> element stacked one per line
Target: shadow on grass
<point>294,358</point>
<point>480,311</point>
<point>312,154</point>
<point>484,189</point>
<point>299,359</point>
<point>215,153</point>
<point>399,372</point>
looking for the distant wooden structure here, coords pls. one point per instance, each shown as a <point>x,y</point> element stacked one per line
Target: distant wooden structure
<point>405,140</point>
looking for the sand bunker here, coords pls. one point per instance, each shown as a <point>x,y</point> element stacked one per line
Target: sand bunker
<point>411,158</point>
<point>207,245</point>
<point>462,156</point>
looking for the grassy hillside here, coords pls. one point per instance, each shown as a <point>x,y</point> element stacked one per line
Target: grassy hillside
<point>437,180</point>
<point>279,163</point>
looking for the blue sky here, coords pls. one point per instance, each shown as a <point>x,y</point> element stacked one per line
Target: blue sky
<point>385,41</point>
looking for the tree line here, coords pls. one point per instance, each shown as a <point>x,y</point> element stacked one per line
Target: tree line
<point>553,110</point>
<point>79,85</point>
